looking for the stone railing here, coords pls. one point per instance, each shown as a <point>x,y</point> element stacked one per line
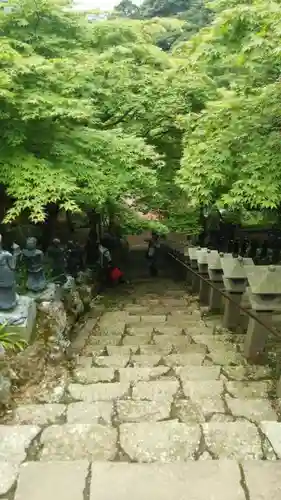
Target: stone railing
<point>246,295</point>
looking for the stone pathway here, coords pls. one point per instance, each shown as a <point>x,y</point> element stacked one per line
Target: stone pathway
<point>158,406</point>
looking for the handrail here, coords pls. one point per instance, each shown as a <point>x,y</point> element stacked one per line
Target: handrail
<point>247,311</point>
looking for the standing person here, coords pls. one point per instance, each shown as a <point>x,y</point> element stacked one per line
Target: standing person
<point>108,274</point>
<point>104,265</point>
<point>152,253</point>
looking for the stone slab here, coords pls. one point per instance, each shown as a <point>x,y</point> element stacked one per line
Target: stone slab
<point>248,390</point>
<point>111,317</point>
<point>98,392</point>
<point>176,340</point>
<point>272,430</point>
<point>142,411</point>
<point>214,342</point>
<point>204,480</point>
<point>263,480</point>
<point>78,442</point>
<point>187,411</point>
<point>142,374</point>
<point>44,414</point>
<point>140,330</point>
<point>195,359</point>
<point>21,319</point>
<point>157,390</point>
<point>255,410</point>
<point>248,372</point>
<point>159,441</point>
<point>135,309</point>
<point>123,350</point>
<point>159,349</point>
<point>8,476</point>
<point>56,480</point>
<point>92,375</point>
<point>224,357</point>
<point>233,440</point>
<point>112,328</point>
<point>153,318</point>
<point>170,330</point>
<point>99,412</point>
<point>104,341</point>
<point>133,318</point>
<point>84,361</point>
<point>207,395</point>
<point>143,360</point>
<point>203,388</point>
<point>15,440</point>
<point>118,361</point>
<point>133,341</point>
<point>198,373</point>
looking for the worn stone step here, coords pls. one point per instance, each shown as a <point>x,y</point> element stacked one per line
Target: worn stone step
<point>223,479</point>
<point>98,392</point>
<point>145,441</point>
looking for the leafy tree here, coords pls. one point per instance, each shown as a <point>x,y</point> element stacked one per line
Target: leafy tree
<point>192,15</point>
<point>126,8</point>
<point>163,8</point>
<point>61,143</point>
<point>232,147</point>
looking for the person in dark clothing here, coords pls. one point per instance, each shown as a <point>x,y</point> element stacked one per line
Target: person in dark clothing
<point>152,254</point>
<point>108,273</point>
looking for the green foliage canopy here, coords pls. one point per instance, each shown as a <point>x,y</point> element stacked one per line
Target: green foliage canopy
<point>232,147</point>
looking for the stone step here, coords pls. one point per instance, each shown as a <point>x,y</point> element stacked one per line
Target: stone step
<point>142,442</point>
<point>222,479</point>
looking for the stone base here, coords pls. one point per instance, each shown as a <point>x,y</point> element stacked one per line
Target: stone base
<point>22,318</point>
<point>50,294</point>
<point>257,335</point>
<point>232,314</point>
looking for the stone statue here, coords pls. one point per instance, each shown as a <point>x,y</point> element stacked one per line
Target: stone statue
<point>8,261</point>
<point>57,259</point>
<point>33,259</point>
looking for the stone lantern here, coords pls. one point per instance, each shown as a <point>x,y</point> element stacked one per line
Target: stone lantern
<point>204,288</point>
<point>193,257</point>
<point>235,282</point>
<point>216,277</point>
<point>264,293</point>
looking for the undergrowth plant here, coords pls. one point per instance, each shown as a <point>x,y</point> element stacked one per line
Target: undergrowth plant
<point>11,341</point>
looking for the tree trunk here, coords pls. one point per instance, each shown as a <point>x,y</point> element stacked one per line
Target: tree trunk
<point>48,227</point>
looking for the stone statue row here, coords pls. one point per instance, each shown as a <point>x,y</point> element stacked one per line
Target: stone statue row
<point>63,261</point>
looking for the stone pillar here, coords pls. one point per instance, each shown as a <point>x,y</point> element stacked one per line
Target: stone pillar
<point>187,261</point>
<point>216,277</point>
<point>235,281</point>
<point>204,289</point>
<point>265,298</point>
<point>195,280</point>
<point>257,335</point>
<point>231,314</point>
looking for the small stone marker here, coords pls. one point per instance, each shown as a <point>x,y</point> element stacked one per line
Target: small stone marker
<point>193,256</point>
<point>265,297</point>
<point>216,277</point>
<point>235,281</point>
<point>204,289</point>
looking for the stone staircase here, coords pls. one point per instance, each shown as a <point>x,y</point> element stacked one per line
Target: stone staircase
<point>159,406</point>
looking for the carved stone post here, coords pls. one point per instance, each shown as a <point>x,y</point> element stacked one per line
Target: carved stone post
<point>216,277</point>
<point>265,298</point>
<point>235,281</point>
<point>204,288</point>
<point>188,263</point>
<point>195,283</point>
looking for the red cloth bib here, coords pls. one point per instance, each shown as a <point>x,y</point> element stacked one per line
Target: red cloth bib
<point>116,274</point>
